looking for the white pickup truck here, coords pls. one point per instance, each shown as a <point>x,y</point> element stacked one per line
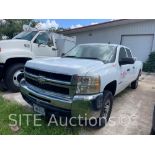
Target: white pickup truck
<point>28,45</point>
<point>82,81</point>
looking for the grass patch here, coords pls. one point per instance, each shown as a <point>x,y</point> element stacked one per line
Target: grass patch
<point>7,108</point>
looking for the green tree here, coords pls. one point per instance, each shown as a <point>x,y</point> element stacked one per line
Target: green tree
<point>149,65</point>
<point>11,27</point>
<point>58,30</point>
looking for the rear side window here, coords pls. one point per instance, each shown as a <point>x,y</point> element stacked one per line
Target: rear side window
<point>128,53</point>
<point>122,53</point>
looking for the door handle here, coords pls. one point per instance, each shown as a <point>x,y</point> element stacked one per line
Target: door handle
<point>128,69</point>
<point>133,67</point>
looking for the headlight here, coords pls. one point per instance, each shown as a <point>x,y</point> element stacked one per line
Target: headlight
<point>88,85</point>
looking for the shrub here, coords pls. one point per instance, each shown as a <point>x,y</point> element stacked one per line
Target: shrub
<point>149,65</point>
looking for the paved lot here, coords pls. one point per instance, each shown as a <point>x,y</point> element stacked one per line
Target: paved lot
<point>132,109</point>
<point>12,96</point>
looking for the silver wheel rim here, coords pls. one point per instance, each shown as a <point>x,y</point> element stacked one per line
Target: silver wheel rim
<point>106,108</point>
<point>16,75</point>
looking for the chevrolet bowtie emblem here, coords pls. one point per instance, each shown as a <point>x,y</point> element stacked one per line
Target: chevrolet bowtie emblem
<point>41,80</point>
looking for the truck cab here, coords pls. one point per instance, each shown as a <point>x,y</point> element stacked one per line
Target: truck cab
<point>27,45</point>
<point>41,43</point>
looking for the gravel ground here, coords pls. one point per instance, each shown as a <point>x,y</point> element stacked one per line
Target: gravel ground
<point>132,109</point>
<point>12,96</point>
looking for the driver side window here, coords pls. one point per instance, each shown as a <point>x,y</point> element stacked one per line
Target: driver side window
<point>122,53</point>
<point>42,38</point>
<point>128,53</point>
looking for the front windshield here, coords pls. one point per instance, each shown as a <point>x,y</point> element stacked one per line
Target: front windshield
<point>26,35</point>
<point>105,53</point>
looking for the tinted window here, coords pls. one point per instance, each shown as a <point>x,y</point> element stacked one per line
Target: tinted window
<point>128,53</point>
<point>42,38</point>
<point>26,35</point>
<point>122,53</point>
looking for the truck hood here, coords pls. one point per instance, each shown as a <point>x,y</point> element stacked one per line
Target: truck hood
<point>13,44</point>
<point>69,66</point>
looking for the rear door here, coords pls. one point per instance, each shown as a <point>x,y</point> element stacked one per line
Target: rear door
<point>132,68</point>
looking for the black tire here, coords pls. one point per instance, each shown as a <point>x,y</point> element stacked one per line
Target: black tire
<point>3,87</point>
<point>134,84</point>
<point>105,115</point>
<point>153,123</point>
<point>9,77</point>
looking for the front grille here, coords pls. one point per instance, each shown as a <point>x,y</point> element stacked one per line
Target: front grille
<point>48,107</point>
<point>48,87</point>
<point>54,76</point>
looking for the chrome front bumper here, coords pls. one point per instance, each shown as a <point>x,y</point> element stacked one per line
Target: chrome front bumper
<point>79,105</point>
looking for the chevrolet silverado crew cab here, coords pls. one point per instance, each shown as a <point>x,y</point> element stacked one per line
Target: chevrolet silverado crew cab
<point>25,46</point>
<point>81,82</point>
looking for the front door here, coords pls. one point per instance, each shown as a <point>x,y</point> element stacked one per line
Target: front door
<point>41,48</point>
<point>124,71</point>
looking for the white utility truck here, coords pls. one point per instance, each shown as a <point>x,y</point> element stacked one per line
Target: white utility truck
<point>82,82</point>
<point>28,45</point>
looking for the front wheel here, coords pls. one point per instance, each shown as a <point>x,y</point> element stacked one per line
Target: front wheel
<point>13,76</point>
<point>106,109</point>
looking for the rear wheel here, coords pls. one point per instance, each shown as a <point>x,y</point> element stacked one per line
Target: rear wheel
<point>134,84</point>
<point>13,76</point>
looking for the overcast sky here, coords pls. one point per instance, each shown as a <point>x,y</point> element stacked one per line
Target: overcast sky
<point>69,23</point>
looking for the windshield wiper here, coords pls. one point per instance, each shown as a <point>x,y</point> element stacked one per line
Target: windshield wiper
<point>17,38</point>
<point>69,56</point>
<point>91,58</point>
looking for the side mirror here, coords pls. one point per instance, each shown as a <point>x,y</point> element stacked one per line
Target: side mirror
<point>62,54</point>
<point>50,43</point>
<point>125,61</point>
<point>39,44</point>
<point>135,58</point>
<point>54,49</point>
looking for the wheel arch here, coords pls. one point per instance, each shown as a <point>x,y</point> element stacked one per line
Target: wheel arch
<point>12,61</point>
<point>111,87</point>
<point>140,72</point>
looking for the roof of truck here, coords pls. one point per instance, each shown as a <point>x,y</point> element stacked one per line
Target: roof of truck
<point>100,44</point>
<point>116,45</point>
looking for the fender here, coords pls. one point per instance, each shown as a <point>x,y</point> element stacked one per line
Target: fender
<point>15,53</point>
